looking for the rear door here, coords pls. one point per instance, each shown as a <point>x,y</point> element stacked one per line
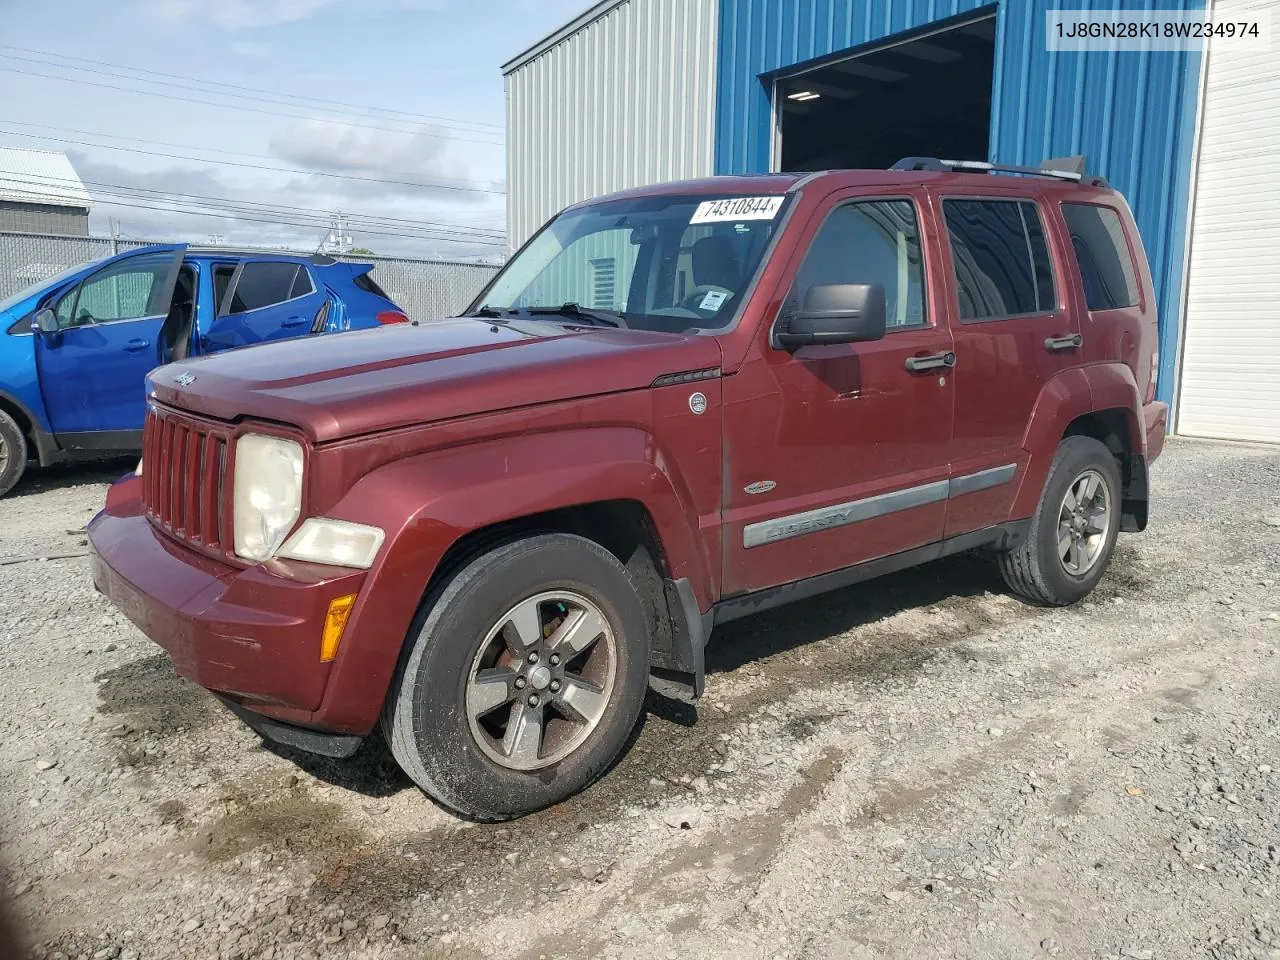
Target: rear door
<point>265,300</point>
<point>93,369</point>
<point>1012,331</point>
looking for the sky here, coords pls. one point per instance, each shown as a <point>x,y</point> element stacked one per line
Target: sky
<point>390,111</point>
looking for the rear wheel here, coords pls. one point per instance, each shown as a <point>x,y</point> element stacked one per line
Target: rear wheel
<point>525,676</point>
<point>1073,531</point>
<point>13,453</point>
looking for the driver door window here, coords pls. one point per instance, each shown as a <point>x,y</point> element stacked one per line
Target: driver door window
<point>130,290</point>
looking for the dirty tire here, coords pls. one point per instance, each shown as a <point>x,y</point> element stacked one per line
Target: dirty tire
<point>425,719</point>
<point>1033,570</point>
<point>13,453</point>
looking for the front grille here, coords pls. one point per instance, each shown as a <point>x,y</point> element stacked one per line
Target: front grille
<point>185,477</point>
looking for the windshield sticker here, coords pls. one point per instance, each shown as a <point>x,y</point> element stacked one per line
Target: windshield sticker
<point>737,208</point>
<point>714,300</point>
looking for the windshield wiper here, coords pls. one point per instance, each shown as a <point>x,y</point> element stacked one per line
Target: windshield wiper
<point>488,312</point>
<point>608,318</point>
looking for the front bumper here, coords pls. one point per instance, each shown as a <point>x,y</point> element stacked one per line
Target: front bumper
<point>250,635</point>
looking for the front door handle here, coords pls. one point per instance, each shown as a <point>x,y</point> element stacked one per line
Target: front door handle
<point>931,362</point>
<point>136,344</point>
<point>1070,342</point>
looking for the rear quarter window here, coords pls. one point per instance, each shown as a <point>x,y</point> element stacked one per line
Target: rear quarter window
<point>366,283</point>
<point>1102,251</point>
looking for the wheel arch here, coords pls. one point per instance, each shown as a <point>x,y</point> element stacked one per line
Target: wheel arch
<point>38,440</point>
<point>440,509</point>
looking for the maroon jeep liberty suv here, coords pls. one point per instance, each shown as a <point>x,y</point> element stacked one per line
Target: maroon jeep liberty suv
<point>675,406</point>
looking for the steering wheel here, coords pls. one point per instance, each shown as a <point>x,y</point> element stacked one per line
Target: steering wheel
<point>693,301</point>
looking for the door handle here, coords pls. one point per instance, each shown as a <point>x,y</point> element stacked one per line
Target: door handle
<point>931,362</point>
<point>136,344</point>
<point>1069,342</point>
<point>294,322</point>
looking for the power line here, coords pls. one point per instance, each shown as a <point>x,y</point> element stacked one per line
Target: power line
<point>256,166</point>
<point>60,57</point>
<point>233,106</point>
<point>429,229</point>
<point>311,224</point>
<point>167,143</point>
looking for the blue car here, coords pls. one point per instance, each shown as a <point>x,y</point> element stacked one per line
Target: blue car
<point>75,349</point>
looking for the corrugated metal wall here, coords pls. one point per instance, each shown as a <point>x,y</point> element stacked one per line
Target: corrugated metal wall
<point>1132,114</point>
<point>628,99</point>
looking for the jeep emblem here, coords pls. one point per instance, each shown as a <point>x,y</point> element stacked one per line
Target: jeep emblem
<point>698,403</point>
<point>185,379</point>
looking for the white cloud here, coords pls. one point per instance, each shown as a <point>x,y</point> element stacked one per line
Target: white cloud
<point>245,14</point>
<point>420,156</point>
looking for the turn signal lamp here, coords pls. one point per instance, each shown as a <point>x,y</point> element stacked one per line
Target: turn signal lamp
<point>335,622</point>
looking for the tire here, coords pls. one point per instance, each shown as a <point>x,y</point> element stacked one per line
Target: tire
<point>13,453</point>
<point>473,762</point>
<point>1035,570</point>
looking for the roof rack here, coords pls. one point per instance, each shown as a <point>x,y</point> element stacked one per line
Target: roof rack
<point>1059,168</point>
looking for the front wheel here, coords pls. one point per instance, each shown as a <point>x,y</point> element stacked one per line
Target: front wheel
<point>523,680</point>
<point>1074,529</point>
<point>13,453</point>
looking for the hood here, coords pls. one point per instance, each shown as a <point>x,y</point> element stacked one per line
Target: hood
<point>348,384</point>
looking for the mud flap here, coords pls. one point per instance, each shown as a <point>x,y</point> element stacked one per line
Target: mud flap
<point>676,665</point>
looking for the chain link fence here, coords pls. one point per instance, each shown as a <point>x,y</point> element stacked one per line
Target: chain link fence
<point>424,289</point>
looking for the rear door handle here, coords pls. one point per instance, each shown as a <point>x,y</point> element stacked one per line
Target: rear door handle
<point>931,362</point>
<point>294,322</point>
<point>136,344</point>
<point>1070,342</point>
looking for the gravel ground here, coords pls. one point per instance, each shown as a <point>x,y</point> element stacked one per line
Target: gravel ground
<point>920,766</point>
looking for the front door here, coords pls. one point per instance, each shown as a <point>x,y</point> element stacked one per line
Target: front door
<point>839,454</point>
<point>93,368</point>
<point>264,300</point>
<point>1012,335</point>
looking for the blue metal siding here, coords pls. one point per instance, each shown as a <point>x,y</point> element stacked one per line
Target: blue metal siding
<point>1132,114</point>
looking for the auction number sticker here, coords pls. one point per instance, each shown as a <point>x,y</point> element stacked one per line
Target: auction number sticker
<point>737,208</point>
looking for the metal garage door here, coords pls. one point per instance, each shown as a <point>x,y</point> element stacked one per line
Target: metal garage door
<point>1230,385</point>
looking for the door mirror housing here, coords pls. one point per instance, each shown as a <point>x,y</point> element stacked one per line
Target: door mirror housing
<point>45,321</point>
<point>835,313</point>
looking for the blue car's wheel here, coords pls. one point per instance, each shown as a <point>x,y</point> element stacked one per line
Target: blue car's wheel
<point>13,453</point>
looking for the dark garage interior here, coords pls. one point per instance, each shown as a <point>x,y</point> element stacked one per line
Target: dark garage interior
<point>929,96</point>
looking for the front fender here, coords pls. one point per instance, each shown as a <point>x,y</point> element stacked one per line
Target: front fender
<point>428,502</point>
<point>1068,395</point>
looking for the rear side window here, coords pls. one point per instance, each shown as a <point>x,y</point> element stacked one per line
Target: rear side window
<point>262,285</point>
<point>1106,269</point>
<point>366,283</point>
<point>870,241</point>
<point>1000,258</point>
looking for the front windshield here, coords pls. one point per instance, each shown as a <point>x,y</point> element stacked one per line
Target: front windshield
<point>668,263</point>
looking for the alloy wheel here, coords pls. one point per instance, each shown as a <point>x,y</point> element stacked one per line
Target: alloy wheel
<point>1084,522</point>
<point>542,680</point>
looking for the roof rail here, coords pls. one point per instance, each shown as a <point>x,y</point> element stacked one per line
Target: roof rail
<point>1060,168</point>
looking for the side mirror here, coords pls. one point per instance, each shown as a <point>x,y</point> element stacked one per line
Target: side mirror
<point>835,313</point>
<point>45,321</point>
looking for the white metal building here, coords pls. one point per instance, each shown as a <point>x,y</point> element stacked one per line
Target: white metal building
<point>40,192</point>
<point>641,91</point>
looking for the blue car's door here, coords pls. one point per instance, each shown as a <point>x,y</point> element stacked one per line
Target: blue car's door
<point>264,300</point>
<point>93,368</point>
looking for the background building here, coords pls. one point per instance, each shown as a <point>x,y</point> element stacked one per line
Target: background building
<point>640,91</point>
<point>41,193</point>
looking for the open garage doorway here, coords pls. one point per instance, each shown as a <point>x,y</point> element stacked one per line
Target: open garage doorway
<point>928,95</point>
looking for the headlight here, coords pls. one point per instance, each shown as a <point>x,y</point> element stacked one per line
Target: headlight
<point>339,542</point>
<point>268,494</point>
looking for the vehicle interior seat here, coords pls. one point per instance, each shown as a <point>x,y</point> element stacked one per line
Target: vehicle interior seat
<point>715,264</point>
<point>176,332</point>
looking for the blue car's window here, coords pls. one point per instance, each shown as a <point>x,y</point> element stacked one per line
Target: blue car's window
<point>262,284</point>
<point>126,290</point>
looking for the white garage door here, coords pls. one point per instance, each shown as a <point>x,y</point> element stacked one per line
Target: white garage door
<point>1230,385</point>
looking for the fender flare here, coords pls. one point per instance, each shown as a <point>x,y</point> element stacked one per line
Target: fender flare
<point>1066,396</point>
<point>427,503</point>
